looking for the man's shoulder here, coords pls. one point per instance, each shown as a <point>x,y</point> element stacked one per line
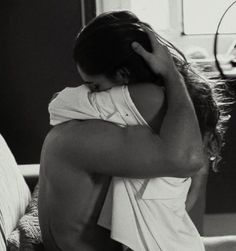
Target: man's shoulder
<point>61,148</point>
<point>65,134</point>
<point>60,134</point>
<point>74,140</point>
<point>149,90</point>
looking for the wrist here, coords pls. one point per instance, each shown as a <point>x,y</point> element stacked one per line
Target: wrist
<point>176,89</point>
<point>172,75</point>
<point>174,80</point>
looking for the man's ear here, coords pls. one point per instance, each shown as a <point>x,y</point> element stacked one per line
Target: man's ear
<point>122,76</point>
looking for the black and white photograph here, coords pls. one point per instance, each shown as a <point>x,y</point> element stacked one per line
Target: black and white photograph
<point>118,125</point>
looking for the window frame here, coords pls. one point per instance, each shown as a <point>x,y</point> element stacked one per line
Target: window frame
<point>201,34</point>
<point>175,32</point>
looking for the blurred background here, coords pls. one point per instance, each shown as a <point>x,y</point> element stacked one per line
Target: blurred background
<point>37,39</point>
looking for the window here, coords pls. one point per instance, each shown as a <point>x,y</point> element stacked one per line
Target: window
<point>202,16</point>
<point>156,12</point>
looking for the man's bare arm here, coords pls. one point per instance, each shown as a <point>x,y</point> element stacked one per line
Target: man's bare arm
<point>101,147</point>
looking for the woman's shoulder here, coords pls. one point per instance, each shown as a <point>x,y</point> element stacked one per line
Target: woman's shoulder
<point>147,93</point>
<point>149,100</point>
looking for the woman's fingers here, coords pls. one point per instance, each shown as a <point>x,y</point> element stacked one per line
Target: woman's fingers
<point>138,48</point>
<point>150,58</point>
<point>160,59</point>
<point>155,44</point>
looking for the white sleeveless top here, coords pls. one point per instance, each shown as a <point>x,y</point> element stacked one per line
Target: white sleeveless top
<point>142,214</point>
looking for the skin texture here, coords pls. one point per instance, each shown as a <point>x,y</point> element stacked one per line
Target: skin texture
<point>79,156</point>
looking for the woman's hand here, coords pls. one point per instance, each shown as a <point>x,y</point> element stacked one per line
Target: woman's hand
<point>160,60</point>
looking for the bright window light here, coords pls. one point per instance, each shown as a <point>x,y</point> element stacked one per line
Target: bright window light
<point>154,12</point>
<point>202,16</point>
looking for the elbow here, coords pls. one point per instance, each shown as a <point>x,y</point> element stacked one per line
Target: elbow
<point>195,163</point>
<point>188,166</point>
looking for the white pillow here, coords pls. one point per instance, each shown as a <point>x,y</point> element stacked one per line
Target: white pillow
<point>14,192</point>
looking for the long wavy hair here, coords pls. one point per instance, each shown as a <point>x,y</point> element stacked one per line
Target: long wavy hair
<point>104,47</point>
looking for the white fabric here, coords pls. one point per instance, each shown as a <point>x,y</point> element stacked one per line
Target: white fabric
<point>80,103</point>
<point>14,192</point>
<point>143,214</point>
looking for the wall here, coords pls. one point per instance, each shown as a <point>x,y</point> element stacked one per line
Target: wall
<point>36,46</point>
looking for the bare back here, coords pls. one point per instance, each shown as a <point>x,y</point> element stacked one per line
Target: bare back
<point>70,201</point>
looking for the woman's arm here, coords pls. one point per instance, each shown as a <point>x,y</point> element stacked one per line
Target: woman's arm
<point>179,134</point>
<point>199,180</point>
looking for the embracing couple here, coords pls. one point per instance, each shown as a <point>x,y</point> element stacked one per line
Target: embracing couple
<point>130,147</point>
